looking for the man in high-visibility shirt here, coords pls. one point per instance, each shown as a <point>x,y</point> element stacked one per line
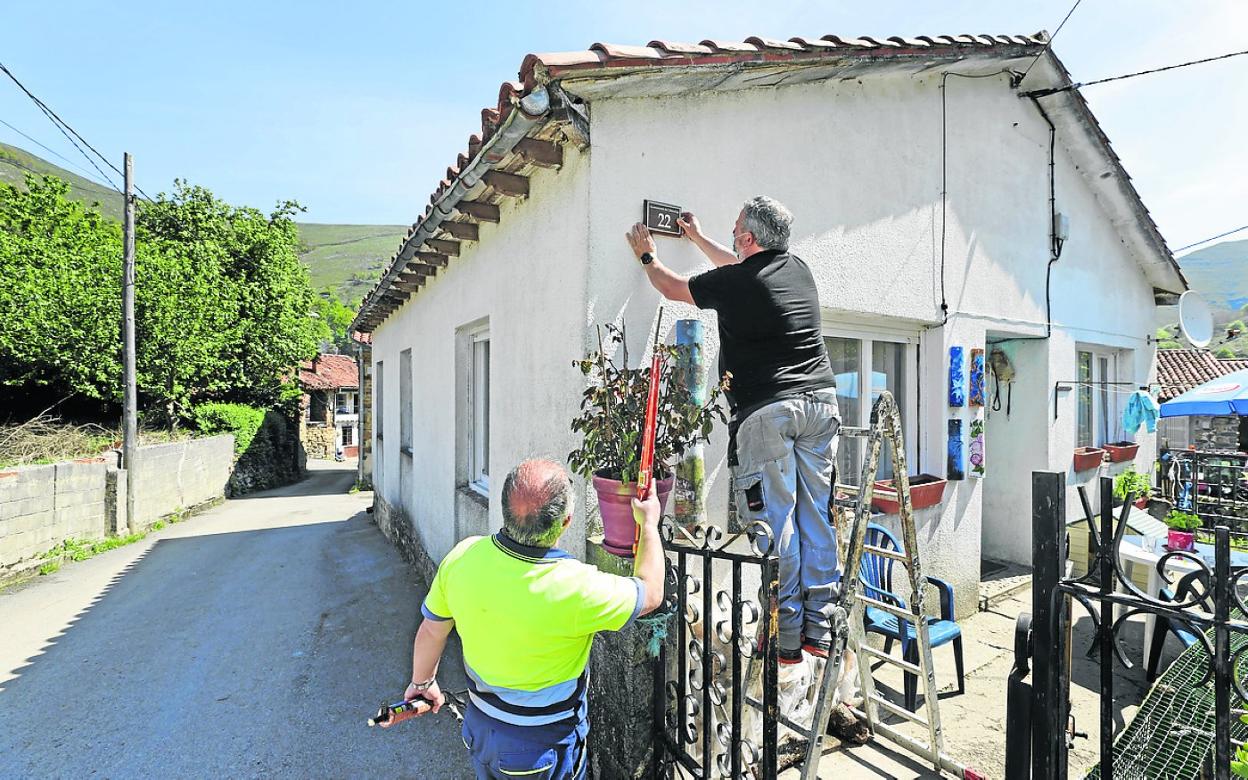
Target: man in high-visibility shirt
<point>527,613</point>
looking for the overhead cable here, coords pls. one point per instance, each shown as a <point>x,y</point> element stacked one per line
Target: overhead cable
<point>1214,238</point>
<point>1049,42</point>
<point>1082,84</point>
<point>47,149</point>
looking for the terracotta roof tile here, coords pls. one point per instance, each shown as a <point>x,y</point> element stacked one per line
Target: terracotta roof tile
<point>615,50</point>
<point>329,372</point>
<point>1180,370</point>
<point>729,45</point>
<point>814,43</point>
<point>676,47</point>
<point>772,43</point>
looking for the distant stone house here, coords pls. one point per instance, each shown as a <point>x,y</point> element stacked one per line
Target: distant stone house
<point>1180,370</point>
<point>330,407</point>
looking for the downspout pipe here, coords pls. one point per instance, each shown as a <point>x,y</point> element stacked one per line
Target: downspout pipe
<point>532,112</point>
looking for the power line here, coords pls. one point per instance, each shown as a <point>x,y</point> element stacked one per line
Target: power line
<point>1068,87</point>
<point>1214,238</point>
<point>62,125</point>
<point>1049,42</point>
<point>36,142</point>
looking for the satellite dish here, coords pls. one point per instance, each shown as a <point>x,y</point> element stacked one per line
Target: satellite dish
<point>1195,319</point>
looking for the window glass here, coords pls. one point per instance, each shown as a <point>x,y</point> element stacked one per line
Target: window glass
<point>405,400</point>
<point>846,357</point>
<point>1103,413</point>
<point>480,389</point>
<point>1084,435</point>
<point>888,367</point>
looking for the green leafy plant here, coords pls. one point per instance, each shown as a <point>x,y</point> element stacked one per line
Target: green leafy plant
<point>613,411</point>
<point>239,419</point>
<point>1182,521</point>
<point>1239,764</point>
<point>1131,482</point>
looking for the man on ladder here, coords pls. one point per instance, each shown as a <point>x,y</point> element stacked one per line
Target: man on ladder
<point>783,433</point>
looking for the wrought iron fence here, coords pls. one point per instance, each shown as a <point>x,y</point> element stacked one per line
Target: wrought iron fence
<point>1212,485</point>
<point>723,662</point>
<point>1186,726</point>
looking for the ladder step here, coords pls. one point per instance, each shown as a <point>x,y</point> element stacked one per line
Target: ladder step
<point>849,430</point>
<point>900,712</point>
<point>883,553</point>
<point>909,667</point>
<point>904,614</point>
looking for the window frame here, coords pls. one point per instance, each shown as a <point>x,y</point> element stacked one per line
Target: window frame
<point>477,386</point>
<point>868,334</point>
<point>1103,395</point>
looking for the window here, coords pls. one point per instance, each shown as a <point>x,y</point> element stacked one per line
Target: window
<point>877,362</point>
<point>479,412</point>
<point>1097,399</point>
<point>348,437</point>
<point>405,402</point>
<point>345,403</point>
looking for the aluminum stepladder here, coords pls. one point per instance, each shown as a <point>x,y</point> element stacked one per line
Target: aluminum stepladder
<point>847,613</point>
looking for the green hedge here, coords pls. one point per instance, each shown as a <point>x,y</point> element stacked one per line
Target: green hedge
<point>239,419</point>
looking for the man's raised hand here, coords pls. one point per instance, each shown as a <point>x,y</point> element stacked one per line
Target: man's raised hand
<point>689,225</point>
<point>640,240</point>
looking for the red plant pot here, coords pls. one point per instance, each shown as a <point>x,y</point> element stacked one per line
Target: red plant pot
<point>1121,452</point>
<point>1141,503</point>
<point>1088,458</point>
<point>615,504</point>
<point>1180,540</point>
<point>925,491</point>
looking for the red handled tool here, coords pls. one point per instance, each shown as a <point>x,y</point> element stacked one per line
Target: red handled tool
<point>646,474</point>
<point>392,714</point>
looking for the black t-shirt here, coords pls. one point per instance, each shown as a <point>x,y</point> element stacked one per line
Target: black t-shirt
<point>769,327</point>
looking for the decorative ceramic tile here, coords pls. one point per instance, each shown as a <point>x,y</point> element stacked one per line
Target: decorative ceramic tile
<point>957,391</point>
<point>954,468</point>
<point>977,447</point>
<point>977,377</point>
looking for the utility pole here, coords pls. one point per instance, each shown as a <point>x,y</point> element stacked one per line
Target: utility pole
<point>130,421</point>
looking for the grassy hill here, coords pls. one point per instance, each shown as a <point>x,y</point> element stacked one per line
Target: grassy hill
<point>346,258</point>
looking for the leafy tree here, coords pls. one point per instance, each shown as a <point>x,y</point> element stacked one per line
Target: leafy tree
<point>334,317</point>
<point>222,304</point>
<point>1164,334</point>
<point>1225,353</point>
<point>61,266</point>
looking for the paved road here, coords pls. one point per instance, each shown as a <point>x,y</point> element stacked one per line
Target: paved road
<point>249,641</point>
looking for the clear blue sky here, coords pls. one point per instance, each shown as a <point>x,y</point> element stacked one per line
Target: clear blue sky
<point>356,109</point>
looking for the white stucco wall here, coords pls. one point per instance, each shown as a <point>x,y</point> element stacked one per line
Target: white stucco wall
<point>526,276</point>
<point>858,163</point>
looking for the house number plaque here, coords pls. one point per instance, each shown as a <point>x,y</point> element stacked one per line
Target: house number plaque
<point>661,217</point>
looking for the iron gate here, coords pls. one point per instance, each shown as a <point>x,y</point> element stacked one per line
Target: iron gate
<point>1188,723</point>
<point>708,722</point>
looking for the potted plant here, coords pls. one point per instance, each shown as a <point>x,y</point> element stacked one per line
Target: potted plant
<point>613,411</point>
<point>925,490</point>
<point>1122,451</point>
<point>1134,483</point>
<point>1182,534</point>
<point>1088,458</point>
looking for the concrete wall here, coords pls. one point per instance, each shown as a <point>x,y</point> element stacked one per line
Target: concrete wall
<point>526,277</point>
<point>168,477</point>
<point>42,506</point>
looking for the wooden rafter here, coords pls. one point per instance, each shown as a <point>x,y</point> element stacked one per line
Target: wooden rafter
<point>507,183</point>
<point>479,210</point>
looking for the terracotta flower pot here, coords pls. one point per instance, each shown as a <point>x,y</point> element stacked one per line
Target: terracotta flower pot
<point>615,504</point>
<point>1180,540</point>
<point>925,491</point>
<point>1088,458</point>
<point>1122,451</point>
<point>1141,503</point>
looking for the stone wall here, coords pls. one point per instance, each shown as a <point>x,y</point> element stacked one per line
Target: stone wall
<point>1215,433</point>
<point>274,458</point>
<point>318,441</point>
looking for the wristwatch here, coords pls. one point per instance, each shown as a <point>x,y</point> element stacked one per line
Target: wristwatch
<point>646,258</point>
<point>423,686</point>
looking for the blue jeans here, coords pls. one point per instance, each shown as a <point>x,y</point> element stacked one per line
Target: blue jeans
<point>500,750</point>
<point>786,456</point>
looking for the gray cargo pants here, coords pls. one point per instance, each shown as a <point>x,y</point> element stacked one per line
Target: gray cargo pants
<point>786,455</point>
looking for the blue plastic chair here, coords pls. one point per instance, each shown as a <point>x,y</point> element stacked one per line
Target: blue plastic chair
<point>875,572</point>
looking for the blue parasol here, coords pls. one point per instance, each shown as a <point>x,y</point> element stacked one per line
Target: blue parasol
<point>1224,396</point>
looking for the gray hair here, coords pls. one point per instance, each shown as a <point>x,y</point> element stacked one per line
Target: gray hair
<point>537,496</point>
<point>768,220</point>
